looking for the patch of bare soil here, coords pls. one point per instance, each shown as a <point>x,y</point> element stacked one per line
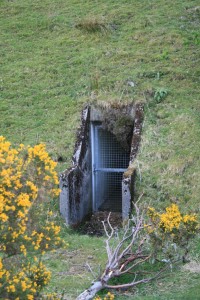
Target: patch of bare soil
<point>192,266</point>
<point>94,226</point>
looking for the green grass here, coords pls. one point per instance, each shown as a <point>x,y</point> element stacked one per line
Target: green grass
<point>71,268</point>
<point>52,65</point>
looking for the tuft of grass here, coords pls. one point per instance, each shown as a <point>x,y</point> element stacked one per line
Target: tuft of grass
<point>93,24</point>
<point>160,95</point>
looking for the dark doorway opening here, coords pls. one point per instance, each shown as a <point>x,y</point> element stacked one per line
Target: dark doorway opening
<point>109,162</point>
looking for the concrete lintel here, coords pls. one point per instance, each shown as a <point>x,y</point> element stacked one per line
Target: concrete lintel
<point>96,115</point>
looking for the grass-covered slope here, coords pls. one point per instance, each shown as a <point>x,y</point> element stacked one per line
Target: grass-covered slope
<point>58,55</point>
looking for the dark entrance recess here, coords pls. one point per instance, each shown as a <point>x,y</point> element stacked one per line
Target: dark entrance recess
<point>102,174</point>
<point>109,162</point>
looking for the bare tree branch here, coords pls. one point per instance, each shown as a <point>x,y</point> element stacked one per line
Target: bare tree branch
<point>133,283</point>
<point>124,256</point>
<point>134,265</point>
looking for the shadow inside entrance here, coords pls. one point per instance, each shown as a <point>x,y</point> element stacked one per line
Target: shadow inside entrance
<point>113,202</point>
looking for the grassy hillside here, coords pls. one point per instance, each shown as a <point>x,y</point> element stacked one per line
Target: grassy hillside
<point>56,56</point>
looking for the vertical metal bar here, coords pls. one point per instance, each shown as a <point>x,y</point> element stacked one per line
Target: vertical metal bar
<point>93,166</point>
<point>96,162</point>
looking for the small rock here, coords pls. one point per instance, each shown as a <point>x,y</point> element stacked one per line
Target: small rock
<point>131,83</point>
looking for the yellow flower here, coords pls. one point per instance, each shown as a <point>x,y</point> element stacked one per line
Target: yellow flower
<point>189,218</point>
<point>23,250</point>
<point>23,200</point>
<point>34,233</point>
<point>11,288</point>
<point>56,192</point>
<point>171,219</point>
<point>2,272</point>
<point>20,214</point>
<point>15,234</point>
<point>24,286</point>
<point>56,229</point>
<point>3,217</point>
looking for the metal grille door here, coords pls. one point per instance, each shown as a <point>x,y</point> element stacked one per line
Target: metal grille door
<point>109,161</point>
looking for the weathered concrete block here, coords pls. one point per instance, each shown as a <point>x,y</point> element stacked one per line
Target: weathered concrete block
<point>75,183</point>
<point>128,187</point>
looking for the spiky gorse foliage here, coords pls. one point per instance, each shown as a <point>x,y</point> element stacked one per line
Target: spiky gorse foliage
<point>171,230</point>
<point>172,220</point>
<point>27,186</point>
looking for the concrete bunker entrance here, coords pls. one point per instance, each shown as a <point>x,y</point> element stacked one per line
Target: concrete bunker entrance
<point>102,175</point>
<point>109,161</point>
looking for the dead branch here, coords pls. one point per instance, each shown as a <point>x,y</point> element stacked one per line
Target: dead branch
<point>134,265</point>
<point>125,257</point>
<point>90,269</point>
<point>133,283</point>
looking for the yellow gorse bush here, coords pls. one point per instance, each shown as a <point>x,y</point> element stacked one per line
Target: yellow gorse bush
<point>28,182</point>
<point>171,231</point>
<point>172,220</point>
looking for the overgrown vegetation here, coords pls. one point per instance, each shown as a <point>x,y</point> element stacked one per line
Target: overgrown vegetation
<point>28,182</point>
<point>50,68</point>
<point>118,118</point>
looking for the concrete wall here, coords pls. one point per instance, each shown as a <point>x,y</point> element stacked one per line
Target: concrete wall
<point>75,183</point>
<point>128,182</point>
<point>128,187</point>
<point>137,131</point>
